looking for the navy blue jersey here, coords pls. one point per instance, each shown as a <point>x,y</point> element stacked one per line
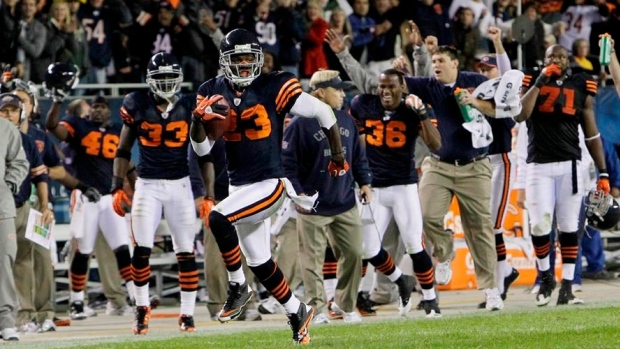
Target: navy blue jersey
<point>94,151</point>
<point>553,126</point>
<point>306,154</point>
<point>99,24</point>
<point>38,171</point>
<point>502,135</point>
<point>163,137</point>
<point>254,139</point>
<point>457,140</point>
<point>45,146</point>
<point>390,140</point>
<point>217,156</point>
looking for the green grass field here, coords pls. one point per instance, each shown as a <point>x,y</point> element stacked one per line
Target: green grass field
<point>566,327</point>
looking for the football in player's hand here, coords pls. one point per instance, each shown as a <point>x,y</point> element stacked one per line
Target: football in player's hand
<point>216,127</point>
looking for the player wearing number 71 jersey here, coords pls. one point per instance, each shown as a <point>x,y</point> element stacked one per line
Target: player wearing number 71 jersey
<point>258,104</point>
<point>555,106</point>
<point>159,119</point>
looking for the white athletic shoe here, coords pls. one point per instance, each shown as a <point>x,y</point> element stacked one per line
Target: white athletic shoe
<point>493,299</point>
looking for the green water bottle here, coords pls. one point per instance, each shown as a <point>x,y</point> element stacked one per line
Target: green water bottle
<point>605,56</point>
<point>466,109</point>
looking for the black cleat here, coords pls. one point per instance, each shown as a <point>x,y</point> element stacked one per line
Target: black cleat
<point>547,285</point>
<point>141,320</point>
<point>300,322</point>
<point>238,297</point>
<point>406,285</point>
<point>566,296</point>
<point>508,280</point>
<point>431,308</point>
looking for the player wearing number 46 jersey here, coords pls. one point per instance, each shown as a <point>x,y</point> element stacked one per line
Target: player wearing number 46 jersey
<point>159,119</point>
<point>94,140</point>
<point>555,105</point>
<point>258,104</point>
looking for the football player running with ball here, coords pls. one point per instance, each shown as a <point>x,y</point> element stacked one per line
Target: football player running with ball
<point>258,104</point>
<point>159,119</point>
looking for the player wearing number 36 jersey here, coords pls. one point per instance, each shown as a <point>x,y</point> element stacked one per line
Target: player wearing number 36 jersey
<point>257,106</point>
<point>555,106</point>
<point>159,120</point>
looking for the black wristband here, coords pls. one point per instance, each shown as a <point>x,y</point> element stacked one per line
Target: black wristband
<point>132,169</point>
<point>603,173</point>
<point>81,186</point>
<point>123,154</point>
<point>117,183</point>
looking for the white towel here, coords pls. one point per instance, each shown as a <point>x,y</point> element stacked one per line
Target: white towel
<point>481,133</point>
<point>505,91</point>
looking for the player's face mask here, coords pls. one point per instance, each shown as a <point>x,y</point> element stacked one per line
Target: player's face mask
<point>242,68</point>
<point>165,85</point>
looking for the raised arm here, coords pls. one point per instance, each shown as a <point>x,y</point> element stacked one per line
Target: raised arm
<point>52,122</point>
<point>364,82</point>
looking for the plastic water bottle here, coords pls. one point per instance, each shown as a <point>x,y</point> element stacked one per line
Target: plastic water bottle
<point>466,110</point>
<point>605,56</point>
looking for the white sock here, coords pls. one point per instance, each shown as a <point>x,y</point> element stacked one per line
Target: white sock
<point>142,295</point>
<point>131,289</point>
<point>236,276</point>
<point>429,294</point>
<point>568,271</point>
<point>77,296</point>
<point>330,288</point>
<point>543,263</point>
<point>292,305</point>
<point>188,303</point>
<point>395,275</point>
<point>500,275</point>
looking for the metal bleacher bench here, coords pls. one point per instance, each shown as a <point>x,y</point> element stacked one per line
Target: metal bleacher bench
<point>160,264</point>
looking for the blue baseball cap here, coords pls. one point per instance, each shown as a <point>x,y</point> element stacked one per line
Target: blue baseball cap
<point>487,61</point>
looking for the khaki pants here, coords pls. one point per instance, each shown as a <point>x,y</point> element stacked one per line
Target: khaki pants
<point>344,232</point>
<point>471,184</point>
<point>34,275</point>
<point>8,296</point>
<point>286,253</point>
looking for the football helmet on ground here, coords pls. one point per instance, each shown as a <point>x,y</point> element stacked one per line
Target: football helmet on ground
<point>241,57</point>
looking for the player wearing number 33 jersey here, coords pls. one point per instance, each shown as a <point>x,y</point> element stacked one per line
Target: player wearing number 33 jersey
<point>258,104</point>
<point>159,120</point>
<point>555,106</point>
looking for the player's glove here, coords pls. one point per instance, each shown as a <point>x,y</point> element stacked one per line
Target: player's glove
<point>209,109</point>
<point>415,103</point>
<point>336,170</point>
<point>207,206</point>
<point>548,72</point>
<point>90,193</point>
<point>603,182</point>
<point>121,203</point>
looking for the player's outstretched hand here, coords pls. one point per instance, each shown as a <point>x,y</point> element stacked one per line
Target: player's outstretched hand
<point>121,202</point>
<point>209,109</point>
